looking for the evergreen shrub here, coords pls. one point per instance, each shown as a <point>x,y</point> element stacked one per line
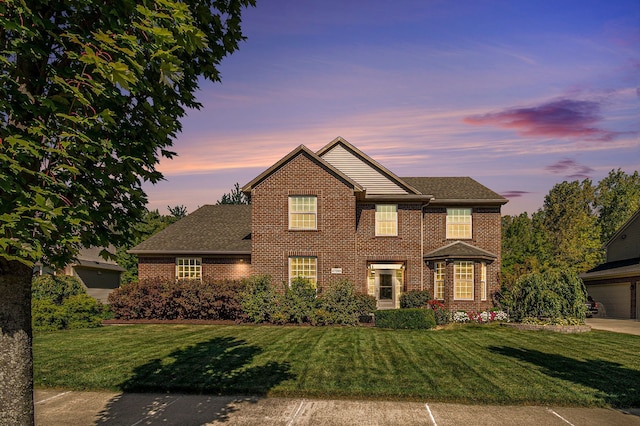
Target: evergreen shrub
<point>415,299</point>
<point>550,295</point>
<point>61,302</point>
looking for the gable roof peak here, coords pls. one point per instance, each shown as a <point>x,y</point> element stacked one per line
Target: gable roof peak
<point>361,169</point>
<point>301,149</point>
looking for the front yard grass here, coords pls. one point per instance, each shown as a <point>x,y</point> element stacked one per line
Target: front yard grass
<point>484,364</point>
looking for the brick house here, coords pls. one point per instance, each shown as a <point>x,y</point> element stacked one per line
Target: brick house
<point>338,214</point>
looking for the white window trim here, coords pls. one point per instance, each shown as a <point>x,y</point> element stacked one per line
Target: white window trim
<point>449,221</point>
<point>198,263</point>
<point>314,213</point>
<point>314,279</point>
<point>483,281</point>
<point>395,234</point>
<point>455,280</point>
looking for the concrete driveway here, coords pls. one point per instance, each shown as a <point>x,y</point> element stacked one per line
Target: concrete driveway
<point>102,408</point>
<point>615,325</point>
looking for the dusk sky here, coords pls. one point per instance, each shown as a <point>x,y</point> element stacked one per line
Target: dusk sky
<point>519,95</point>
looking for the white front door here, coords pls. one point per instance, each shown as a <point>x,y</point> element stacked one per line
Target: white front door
<point>386,285</point>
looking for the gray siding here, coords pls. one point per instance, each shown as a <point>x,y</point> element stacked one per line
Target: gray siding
<point>626,245</point>
<point>360,171</point>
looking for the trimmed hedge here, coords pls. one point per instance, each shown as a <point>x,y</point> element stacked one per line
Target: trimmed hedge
<point>411,318</point>
<point>415,299</point>
<point>183,299</point>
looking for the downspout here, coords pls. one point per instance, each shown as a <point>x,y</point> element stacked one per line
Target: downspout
<point>422,243</point>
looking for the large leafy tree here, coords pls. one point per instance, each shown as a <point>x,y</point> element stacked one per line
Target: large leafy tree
<point>91,94</point>
<point>571,226</point>
<point>617,197</point>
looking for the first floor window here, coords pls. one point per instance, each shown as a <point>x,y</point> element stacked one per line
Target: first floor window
<point>304,267</point>
<point>386,220</point>
<point>463,280</point>
<point>188,268</point>
<point>483,281</point>
<point>438,280</point>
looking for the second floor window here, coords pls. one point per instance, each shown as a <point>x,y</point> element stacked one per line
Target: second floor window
<point>386,219</point>
<point>459,223</point>
<point>188,268</point>
<point>303,212</point>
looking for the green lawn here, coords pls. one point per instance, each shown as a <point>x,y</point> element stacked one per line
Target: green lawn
<point>470,364</point>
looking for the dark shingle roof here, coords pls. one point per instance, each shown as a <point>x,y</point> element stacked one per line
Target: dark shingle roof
<point>459,250</point>
<point>455,190</point>
<point>212,229</point>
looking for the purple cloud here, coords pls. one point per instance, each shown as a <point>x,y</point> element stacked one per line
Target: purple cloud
<point>570,168</point>
<point>565,118</point>
<point>514,194</point>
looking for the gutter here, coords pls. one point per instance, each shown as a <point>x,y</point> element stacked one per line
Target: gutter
<point>191,252</point>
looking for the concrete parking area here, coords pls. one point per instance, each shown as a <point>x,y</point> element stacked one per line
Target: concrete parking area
<point>615,325</point>
<point>55,407</point>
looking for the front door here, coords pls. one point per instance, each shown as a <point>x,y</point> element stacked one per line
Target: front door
<point>386,288</point>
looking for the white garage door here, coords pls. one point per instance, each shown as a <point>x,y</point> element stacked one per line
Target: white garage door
<point>615,298</point>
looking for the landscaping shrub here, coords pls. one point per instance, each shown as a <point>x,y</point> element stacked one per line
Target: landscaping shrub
<point>440,312</point>
<point>340,304</point>
<point>366,304</point>
<point>299,301</point>
<point>258,299</point>
<point>82,311</point>
<point>47,316</point>
<point>61,302</point>
<point>411,318</point>
<point>56,288</point>
<point>414,299</point>
<point>550,295</point>
<point>183,299</point>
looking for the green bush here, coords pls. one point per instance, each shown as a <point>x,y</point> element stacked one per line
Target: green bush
<point>366,304</point>
<point>414,299</point>
<point>551,295</point>
<point>82,311</point>
<point>61,302</point>
<point>340,304</point>
<point>47,316</point>
<point>258,299</point>
<point>411,318</point>
<point>56,288</point>
<point>299,301</point>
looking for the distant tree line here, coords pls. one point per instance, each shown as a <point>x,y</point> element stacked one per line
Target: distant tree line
<point>569,231</point>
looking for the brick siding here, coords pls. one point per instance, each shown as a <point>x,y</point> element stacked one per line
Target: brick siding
<point>349,243</point>
<point>233,268</point>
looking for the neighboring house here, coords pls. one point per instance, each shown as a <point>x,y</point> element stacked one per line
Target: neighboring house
<point>614,284</point>
<point>98,275</point>
<point>338,214</point>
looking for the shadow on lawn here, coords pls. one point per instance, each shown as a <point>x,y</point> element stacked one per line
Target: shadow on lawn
<point>619,386</point>
<point>220,366</point>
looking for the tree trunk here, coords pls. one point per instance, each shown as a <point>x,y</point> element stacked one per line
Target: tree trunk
<point>16,356</point>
